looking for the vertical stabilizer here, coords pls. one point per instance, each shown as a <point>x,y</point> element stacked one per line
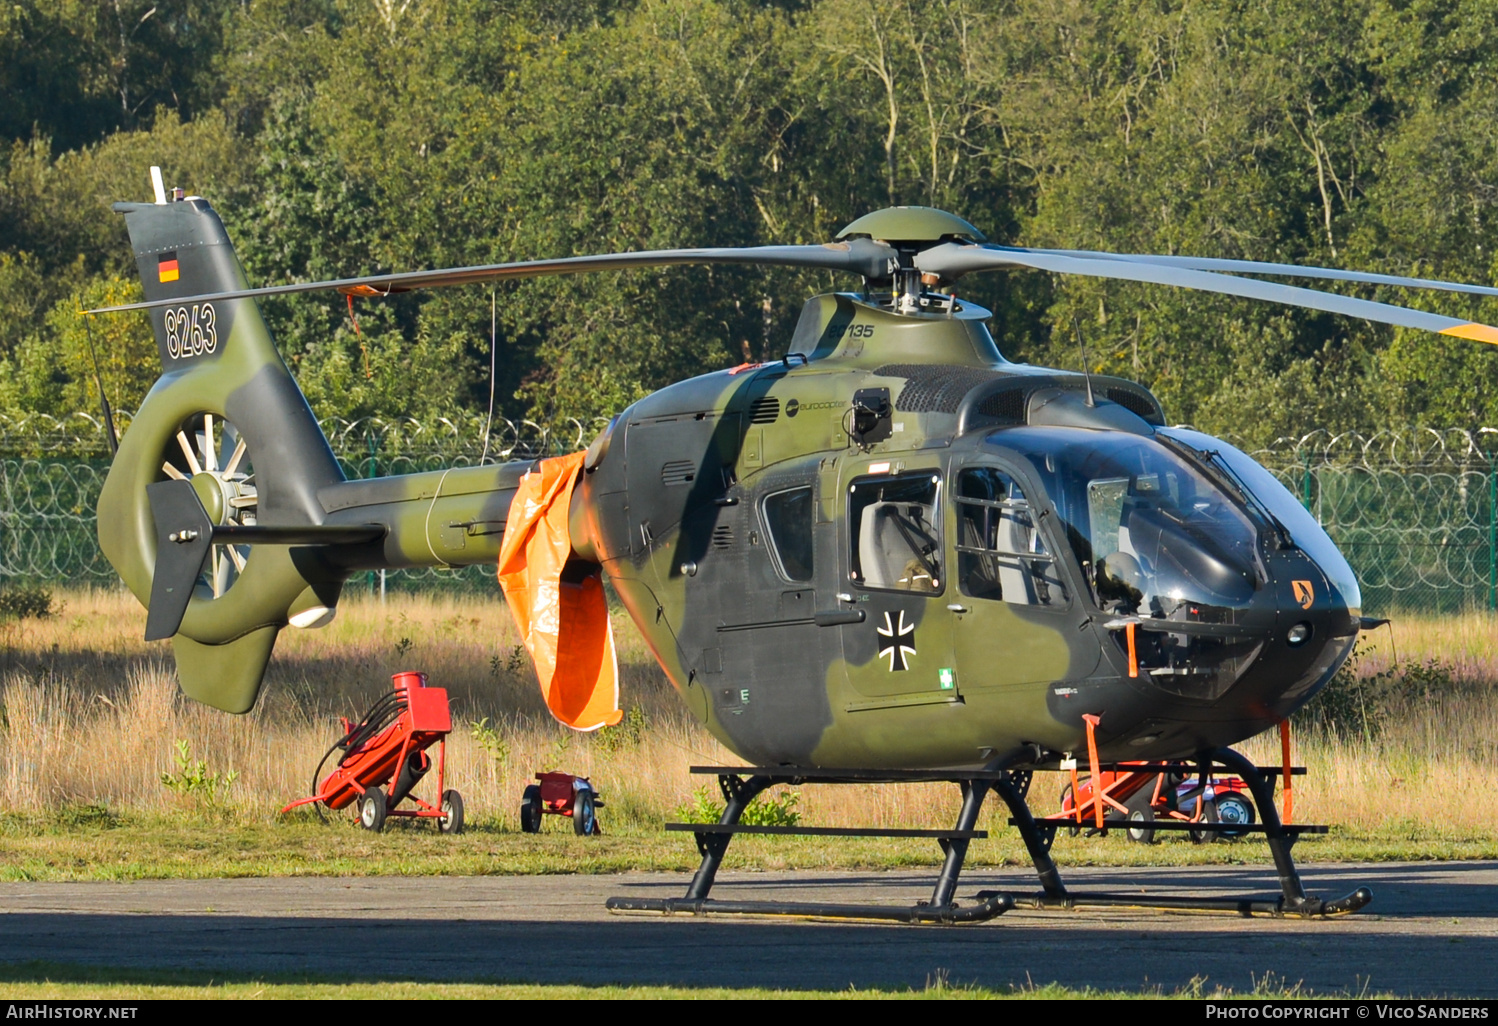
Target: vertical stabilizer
<point>227,416</point>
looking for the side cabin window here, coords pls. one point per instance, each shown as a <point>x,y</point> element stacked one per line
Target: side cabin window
<point>1000,554</point>
<point>893,533</point>
<point>788,521</point>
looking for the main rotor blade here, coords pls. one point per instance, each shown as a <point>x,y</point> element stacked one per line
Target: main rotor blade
<point>858,256</point>
<point>1278,270</point>
<point>951,260</point>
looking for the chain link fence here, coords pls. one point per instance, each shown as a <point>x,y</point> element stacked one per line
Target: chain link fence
<point>1415,512</point>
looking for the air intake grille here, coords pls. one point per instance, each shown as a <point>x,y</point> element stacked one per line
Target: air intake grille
<point>764,410</point>
<point>1006,406</point>
<point>678,472</point>
<point>723,536</point>
<point>933,388</point>
<point>1136,404</point>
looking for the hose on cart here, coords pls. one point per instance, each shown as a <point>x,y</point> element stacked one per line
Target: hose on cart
<point>384,712</point>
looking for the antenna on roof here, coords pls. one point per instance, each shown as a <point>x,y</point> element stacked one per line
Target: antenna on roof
<point>1077,326</point>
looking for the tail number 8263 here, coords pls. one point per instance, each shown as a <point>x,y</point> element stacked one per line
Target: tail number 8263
<point>191,331</point>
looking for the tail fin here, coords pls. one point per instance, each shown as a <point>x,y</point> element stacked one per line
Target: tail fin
<point>226,416</point>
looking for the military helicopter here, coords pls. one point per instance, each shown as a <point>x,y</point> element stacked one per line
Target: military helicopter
<point>891,555</point>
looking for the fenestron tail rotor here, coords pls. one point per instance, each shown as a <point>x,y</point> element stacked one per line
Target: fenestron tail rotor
<point>210,453</point>
<point>210,511</point>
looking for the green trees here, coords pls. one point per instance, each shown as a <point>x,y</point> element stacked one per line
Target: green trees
<point>351,136</point>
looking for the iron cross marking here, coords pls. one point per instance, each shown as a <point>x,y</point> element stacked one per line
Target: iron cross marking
<point>896,649</point>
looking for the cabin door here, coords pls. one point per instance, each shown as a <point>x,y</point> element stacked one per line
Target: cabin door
<point>895,574</point>
<point>1008,596</point>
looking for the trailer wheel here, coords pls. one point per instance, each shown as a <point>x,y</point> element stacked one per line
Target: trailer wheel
<point>1209,815</point>
<point>530,810</point>
<point>452,813</point>
<point>1066,806</point>
<point>1237,810</point>
<point>584,816</point>
<point>372,810</point>
<point>1140,829</point>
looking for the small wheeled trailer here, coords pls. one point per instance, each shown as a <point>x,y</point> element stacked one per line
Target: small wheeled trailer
<point>561,794</point>
<point>1144,795</point>
<point>384,755</point>
<point>1141,794</point>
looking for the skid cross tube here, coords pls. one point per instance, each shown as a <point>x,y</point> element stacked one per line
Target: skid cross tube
<point>973,793</point>
<point>737,794</point>
<point>1038,834</point>
<point>739,791</point>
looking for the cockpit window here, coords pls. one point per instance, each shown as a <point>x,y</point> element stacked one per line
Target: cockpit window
<point>1155,536</point>
<point>892,526</point>
<point>1000,554</point>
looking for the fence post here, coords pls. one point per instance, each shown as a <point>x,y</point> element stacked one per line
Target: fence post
<point>371,469</point>
<point>1492,532</point>
<point>1305,480</point>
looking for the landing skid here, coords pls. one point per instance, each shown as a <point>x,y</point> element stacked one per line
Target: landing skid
<point>942,908</point>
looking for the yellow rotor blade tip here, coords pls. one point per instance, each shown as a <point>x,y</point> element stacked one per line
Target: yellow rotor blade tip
<point>1477,332</point>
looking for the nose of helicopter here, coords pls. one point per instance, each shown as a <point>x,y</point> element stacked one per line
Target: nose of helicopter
<point>1314,631</point>
<point>1225,682</point>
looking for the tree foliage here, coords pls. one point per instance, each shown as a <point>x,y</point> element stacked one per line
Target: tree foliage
<point>342,137</point>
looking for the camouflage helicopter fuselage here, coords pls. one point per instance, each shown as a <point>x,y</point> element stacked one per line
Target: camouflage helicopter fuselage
<point>694,496</point>
<point>892,548</point>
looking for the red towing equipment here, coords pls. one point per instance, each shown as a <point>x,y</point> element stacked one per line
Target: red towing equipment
<point>1149,796</point>
<point>387,748</point>
<point>561,794</point>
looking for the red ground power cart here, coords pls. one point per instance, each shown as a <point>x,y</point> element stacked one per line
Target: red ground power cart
<point>385,755</point>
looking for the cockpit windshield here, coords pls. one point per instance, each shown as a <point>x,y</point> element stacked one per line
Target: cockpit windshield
<point>1286,509</point>
<point>1154,535</point>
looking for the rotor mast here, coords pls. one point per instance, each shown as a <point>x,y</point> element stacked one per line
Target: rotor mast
<point>909,231</point>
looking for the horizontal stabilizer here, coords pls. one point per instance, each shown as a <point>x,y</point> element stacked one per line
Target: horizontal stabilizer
<point>185,535</point>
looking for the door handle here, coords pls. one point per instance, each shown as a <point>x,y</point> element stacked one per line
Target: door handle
<point>838,617</point>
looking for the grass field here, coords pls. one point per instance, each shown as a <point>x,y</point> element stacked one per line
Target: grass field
<point>57,982</point>
<point>92,720</point>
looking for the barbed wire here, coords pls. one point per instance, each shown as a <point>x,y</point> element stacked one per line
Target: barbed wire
<point>1408,446</point>
<point>53,468</point>
<point>1415,511</point>
<point>85,434</point>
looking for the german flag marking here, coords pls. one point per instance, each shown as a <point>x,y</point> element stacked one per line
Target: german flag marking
<point>1476,332</point>
<point>166,269</point>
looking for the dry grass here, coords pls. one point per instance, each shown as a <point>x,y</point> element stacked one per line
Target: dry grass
<point>92,714</point>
